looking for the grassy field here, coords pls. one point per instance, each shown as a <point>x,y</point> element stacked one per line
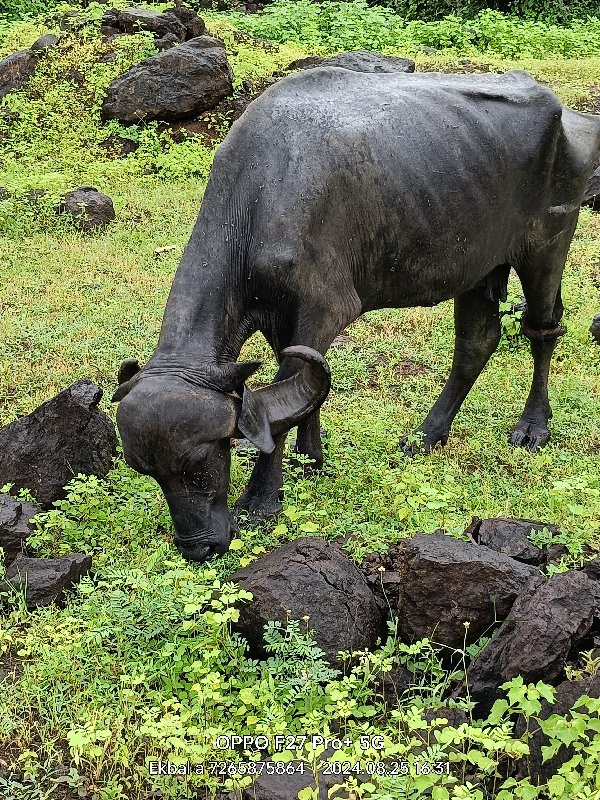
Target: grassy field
<point>141,662</point>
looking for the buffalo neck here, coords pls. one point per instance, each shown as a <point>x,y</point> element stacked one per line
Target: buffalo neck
<point>206,318</point>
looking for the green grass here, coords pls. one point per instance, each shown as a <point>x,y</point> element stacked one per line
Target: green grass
<point>141,662</point>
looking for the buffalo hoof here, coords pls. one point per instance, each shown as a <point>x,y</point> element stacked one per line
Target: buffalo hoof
<point>529,435</point>
<point>420,443</point>
<point>258,508</point>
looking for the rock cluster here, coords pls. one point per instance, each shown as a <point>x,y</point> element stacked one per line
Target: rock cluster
<point>171,27</point>
<point>447,589</point>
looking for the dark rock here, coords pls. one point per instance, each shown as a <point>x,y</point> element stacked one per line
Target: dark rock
<point>595,328</point>
<point>445,582</point>
<point>119,145</point>
<point>392,685</point>
<point>15,526</point>
<point>64,436</point>
<point>89,208</point>
<point>45,579</point>
<point>15,71</point>
<point>549,618</point>
<point>592,191</point>
<point>194,25</point>
<point>567,693</point>
<point>358,61</point>
<point>510,537</point>
<point>75,76</point>
<point>177,84</point>
<point>167,41</point>
<point>310,577</point>
<point>45,42</point>
<point>134,20</point>
<point>592,569</point>
<point>454,716</point>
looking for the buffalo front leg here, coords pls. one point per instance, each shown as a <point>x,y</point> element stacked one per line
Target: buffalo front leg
<point>477,334</point>
<point>309,442</point>
<point>262,497</point>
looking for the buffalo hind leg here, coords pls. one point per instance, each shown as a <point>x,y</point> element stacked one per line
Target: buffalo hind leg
<point>477,334</point>
<point>540,323</point>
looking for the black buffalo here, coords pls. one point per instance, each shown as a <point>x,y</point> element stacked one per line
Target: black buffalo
<point>336,193</point>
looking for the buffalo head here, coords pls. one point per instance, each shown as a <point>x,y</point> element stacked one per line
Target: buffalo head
<point>176,424</point>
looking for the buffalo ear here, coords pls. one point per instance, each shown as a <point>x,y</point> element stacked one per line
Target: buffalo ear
<point>127,378</point>
<point>231,377</point>
<point>254,422</point>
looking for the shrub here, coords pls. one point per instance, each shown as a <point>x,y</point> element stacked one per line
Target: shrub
<point>331,27</point>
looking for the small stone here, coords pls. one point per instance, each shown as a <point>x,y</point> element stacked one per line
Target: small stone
<point>46,579</point>
<point>595,329</point>
<point>15,526</point>
<point>120,145</point>
<point>511,537</point>
<point>45,42</point>
<point>89,209</point>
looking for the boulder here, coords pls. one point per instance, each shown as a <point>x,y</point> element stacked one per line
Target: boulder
<point>595,329</point>
<point>567,693</point>
<point>168,30</point>
<point>88,208</point>
<point>310,578</point>
<point>15,526</point>
<point>511,537</point>
<point>16,70</point>
<point>45,42</point>
<point>180,83</point>
<point>592,192</point>
<point>64,436</point>
<point>446,582</point>
<point>357,61</point>
<point>548,619</point>
<point>46,579</point>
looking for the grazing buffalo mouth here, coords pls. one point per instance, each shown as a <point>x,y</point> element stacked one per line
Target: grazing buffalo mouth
<point>203,545</point>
